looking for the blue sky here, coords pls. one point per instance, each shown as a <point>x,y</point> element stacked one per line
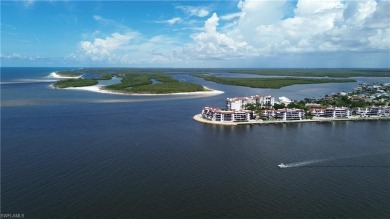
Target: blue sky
<point>236,33</point>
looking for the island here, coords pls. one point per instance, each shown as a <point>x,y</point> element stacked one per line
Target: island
<point>131,83</point>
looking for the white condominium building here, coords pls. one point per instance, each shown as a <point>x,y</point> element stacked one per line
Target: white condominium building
<point>216,114</point>
<point>239,103</point>
<point>317,111</point>
<point>337,112</point>
<point>290,114</point>
<point>373,111</point>
<point>284,114</point>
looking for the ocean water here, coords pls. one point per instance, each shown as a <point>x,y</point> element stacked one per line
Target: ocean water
<point>79,154</point>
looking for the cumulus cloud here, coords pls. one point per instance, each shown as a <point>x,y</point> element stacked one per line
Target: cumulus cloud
<point>261,29</point>
<point>211,44</point>
<point>317,26</point>
<point>129,48</point>
<point>103,49</point>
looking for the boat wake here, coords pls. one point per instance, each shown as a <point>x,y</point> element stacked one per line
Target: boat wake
<point>301,164</point>
<point>313,163</point>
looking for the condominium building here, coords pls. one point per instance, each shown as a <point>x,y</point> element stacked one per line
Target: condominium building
<point>216,114</point>
<point>337,112</point>
<point>290,114</point>
<point>317,111</point>
<point>284,114</point>
<point>239,103</point>
<point>373,111</point>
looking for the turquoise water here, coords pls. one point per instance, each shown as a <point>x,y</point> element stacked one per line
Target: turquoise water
<point>79,154</point>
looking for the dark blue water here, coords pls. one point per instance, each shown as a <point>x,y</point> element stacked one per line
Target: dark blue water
<point>78,154</point>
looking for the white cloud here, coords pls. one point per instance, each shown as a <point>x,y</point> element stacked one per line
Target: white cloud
<point>128,49</point>
<point>98,18</point>
<point>231,16</point>
<point>210,44</point>
<point>194,11</point>
<point>29,3</point>
<point>260,30</point>
<point>317,26</point>
<point>110,23</point>
<point>171,21</point>
<point>13,56</point>
<point>103,49</point>
<point>309,7</point>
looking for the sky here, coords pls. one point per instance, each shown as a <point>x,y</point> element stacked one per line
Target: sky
<point>188,34</point>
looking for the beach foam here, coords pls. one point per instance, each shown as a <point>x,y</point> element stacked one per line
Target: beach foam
<point>57,76</point>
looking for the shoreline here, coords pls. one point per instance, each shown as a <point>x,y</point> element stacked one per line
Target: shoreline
<point>99,89</point>
<point>199,118</point>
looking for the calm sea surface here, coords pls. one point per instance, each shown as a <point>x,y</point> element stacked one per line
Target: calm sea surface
<point>79,154</point>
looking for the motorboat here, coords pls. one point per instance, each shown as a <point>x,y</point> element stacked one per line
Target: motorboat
<point>282,165</point>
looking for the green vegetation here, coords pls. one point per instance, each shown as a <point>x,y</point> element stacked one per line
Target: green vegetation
<point>169,87</point>
<point>274,83</point>
<point>69,73</point>
<point>133,81</point>
<point>75,83</point>
<point>293,72</point>
<point>142,83</point>
<point>101,73</point>
<point>346,101</point>
<point>341,73</point>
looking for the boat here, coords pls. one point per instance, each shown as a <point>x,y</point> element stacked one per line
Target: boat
<point>282,165</point>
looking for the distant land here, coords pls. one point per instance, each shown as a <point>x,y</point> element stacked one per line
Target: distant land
<point>299,72</point>
<point>273,83</point>
<point>160,80</point>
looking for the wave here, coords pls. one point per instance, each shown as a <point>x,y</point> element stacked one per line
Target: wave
<point>57,76</point>
<point>52,77</point>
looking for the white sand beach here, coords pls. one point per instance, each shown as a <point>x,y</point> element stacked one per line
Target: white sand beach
<point>100,89</point>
